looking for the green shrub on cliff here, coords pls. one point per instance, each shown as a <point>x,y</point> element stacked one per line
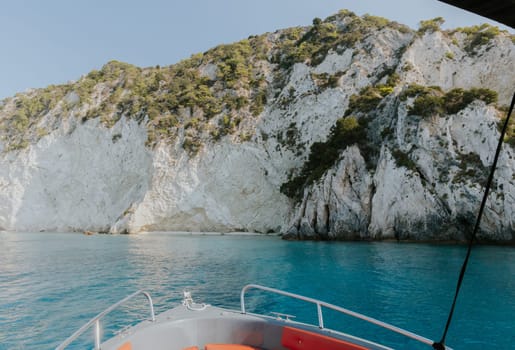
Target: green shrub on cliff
<point>346,132</point>
<point>432,101</point>
<point>258,102</point>
<point>413,90</point>
<point>428,105</point>
<point>402,159</point>
<point>457,99</point>
<point>365,101</point>
<point>325,80</point>
<point>478,35</point>
<point>233,63</point>
<point>369,97</point>
<point>430,25</point>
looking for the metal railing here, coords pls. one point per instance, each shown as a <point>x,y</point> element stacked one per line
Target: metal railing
<point>96,320</point>
<point>319,304</point>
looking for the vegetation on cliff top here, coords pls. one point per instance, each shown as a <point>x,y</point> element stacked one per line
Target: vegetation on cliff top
<point>478,35</point>
<point>475,36</point>
<point>208,95</point>
<point>430,25</point>
<point>337,33</point>
<point>199,94</point>
<point>169,97</point>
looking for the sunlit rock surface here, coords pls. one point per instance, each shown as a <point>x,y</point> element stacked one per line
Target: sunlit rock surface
<point>81,174</point>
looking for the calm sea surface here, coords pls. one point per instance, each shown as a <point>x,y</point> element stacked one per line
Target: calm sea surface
<point>52,283</point>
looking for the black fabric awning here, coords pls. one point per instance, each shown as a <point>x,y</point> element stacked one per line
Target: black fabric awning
<point>502,11</point>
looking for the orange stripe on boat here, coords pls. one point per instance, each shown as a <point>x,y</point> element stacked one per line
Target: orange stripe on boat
<point>191,348</point>
<point>299,339</point>
<point>126,346</point>
<point>229,347</point>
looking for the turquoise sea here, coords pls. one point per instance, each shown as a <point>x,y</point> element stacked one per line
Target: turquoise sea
<point>52,283</point>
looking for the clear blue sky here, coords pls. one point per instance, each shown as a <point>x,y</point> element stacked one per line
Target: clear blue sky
<point>46,42</point>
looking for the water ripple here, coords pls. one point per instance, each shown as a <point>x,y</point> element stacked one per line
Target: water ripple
<point>53,283</point>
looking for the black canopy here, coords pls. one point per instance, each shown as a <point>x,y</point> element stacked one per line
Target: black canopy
<point>502,11</point>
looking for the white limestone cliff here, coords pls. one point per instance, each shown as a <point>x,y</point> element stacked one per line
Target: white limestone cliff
<point>428,202</point>
<point>83,175</point>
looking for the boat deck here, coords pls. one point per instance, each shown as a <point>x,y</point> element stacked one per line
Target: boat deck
<point>212,328</point>
<point>192,326</point>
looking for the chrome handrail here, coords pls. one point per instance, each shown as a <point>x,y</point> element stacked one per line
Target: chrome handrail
<point>319,305</point>
<point>96,320</point>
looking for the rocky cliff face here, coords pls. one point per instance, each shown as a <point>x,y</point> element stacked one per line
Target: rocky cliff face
<point>354,128</point>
